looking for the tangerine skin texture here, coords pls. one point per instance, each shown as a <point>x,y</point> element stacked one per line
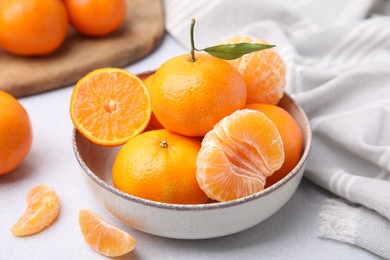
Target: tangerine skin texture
<point>96,17</point>
<point>189,98</point>
<point>154,124</point>
<point>15,133</point>
<point>32,27</point>
<point>291,136</point>
<point>165,174</point>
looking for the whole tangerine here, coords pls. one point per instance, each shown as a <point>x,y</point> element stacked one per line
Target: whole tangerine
<point>33,27</point>
<point>159,165</point>
<point>291,136</point>
<point>15,133</point>
<point>96,17</point>
<point>190,96</point>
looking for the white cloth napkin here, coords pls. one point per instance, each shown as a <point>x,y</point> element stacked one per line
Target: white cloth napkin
<point>338,68</point>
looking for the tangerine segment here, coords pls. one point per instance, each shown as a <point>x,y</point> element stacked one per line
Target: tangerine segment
<point>103,237</point>
<point>291,136</point>
<point>42,209</point>
<point>109,106</point>
<point>154,124</point>
<point>264,72</point>
<point>238,154</point>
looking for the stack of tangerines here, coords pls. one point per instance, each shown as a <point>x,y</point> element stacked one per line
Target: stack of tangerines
<point>198,128</point>
<point>39,27</point>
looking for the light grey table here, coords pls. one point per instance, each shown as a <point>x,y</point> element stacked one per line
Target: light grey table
<point>289,234</point>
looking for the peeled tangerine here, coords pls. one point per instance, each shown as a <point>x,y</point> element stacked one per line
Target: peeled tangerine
<point>238,155</point>
<point>105,238</point>
<point>264,71</point>
<point>42,209</point>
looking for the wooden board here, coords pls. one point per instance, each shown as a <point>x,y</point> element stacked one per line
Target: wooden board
<point>140,34</point>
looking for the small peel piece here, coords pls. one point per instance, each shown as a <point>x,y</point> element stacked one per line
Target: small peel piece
<point>43,206</point>
<point>104,237</point>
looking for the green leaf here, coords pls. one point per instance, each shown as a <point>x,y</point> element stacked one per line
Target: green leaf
<point>235,51</point>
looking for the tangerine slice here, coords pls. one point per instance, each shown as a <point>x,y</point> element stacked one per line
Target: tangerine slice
<point>238,154</point>
<point>109,106</point>
<point>103,237</point>
<point>43,206</point>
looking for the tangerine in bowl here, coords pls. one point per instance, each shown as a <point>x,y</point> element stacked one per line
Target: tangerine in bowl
<point>188,221</point>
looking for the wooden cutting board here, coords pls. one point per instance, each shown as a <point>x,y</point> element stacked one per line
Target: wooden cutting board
<point>140,34</point>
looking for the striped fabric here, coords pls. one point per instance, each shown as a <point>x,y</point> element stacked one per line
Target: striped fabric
<point>337,54</point>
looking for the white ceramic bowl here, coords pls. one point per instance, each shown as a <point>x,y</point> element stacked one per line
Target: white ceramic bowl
<point>187,221</point>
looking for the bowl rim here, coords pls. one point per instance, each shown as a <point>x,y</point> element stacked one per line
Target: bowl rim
<point>205,206</point>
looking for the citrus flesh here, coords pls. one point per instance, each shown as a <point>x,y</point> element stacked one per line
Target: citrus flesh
<point>103,237</point>
<point>43,206</point>
<point>237,156</point>
<point>109,106</point>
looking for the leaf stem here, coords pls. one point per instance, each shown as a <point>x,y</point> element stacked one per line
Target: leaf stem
<point>226,51</point>
<point>192,40</point>
<point>163,144</point>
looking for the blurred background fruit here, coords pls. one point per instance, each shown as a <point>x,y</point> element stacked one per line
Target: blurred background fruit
<point>96,17</point>
<point>32,27</point>
<point>15,133</point>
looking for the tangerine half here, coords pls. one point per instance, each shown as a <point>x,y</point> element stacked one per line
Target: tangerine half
<point>109,106</point>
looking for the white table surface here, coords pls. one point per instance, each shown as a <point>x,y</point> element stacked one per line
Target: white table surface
<point>291,233</point>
